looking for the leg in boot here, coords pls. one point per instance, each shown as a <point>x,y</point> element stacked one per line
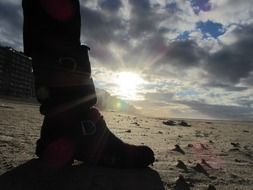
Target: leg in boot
<point>65,90</point>
<point>51,31</point>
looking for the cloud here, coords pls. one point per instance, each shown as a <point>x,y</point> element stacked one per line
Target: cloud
<point>99,30</point>
<point>200,5</point>
<point>110,5</point>
<point>98,26</point>
<point>229,12</point>
<point>222,111</point>
<point>248,81</point>
<point>160,97</point>
<point>11,19</point>
<point>227,87</point>
<point>184,54</point>
<point>228,66</point>
<point>233,63</point>
<point>141,18</point>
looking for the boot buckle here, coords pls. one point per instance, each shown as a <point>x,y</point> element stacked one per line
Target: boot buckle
<point>88,127</point>
<point>68,63</point>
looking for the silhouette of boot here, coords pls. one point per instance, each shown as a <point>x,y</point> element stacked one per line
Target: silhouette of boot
<point>88,139</point>
<point>101,147</point>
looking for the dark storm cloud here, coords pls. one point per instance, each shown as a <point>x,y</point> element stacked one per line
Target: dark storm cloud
<point>100,29</point>
<point>155,52</point>
<point>11,19</point>
<point>225,68</point>
<point>172,8</point>
<point>152,45</point>
<point>222,111</point>
<point>233,63</point>
<point>184,54</point>
<point>110,5</point>
<point>142,18</point>
<point>155,55</point>
<point>97,26</point>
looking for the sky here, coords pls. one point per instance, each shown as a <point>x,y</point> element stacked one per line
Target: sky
<point>191,58</point>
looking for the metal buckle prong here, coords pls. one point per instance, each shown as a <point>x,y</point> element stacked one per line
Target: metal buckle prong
<point>69,60</point>
<point>88,127</point>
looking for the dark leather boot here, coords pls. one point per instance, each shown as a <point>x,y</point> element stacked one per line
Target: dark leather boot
<point>97,145</point>
<point>87,138</point>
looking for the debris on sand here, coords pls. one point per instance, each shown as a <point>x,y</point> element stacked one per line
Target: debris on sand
<point>184,124</point>
<point>128,131</point>
<point>173,123</point>
<point>203,146</point>
<point>136,123</point>
<point>190,145</point>
<point>203,161</point>
<point>181,184</point>
<point>234,149</point>
<point>240,161</point>
<point>211,187</point>
<point>199,168</point>
<point>6,107</point>
<point>178,149</point>
<point>169,122</point>
<point>181,165</point>
<point>246,147</point>
<point>235,144</point>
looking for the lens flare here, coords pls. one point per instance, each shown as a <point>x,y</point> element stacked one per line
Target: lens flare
<point>128,84</point>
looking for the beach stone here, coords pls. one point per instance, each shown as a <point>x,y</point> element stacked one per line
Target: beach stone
<point>203,161</point>
<point>181,184</point>
<point>178,149</point>
<point>211,187</point>
<point>235,144</point>
<point>169,122</point>
<point>181,165</point>
<point>199,168</point>
<point>184,124</point>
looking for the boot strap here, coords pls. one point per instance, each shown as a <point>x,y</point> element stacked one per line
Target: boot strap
<point>88,127</point>
<point>76,61</point>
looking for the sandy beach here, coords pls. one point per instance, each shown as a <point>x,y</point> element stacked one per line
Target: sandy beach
<point>204,155</point>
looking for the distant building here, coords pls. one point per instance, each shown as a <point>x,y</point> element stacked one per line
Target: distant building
<point>16,77</point>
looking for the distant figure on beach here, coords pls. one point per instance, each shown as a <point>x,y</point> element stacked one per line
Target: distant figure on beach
<point>73,129</point>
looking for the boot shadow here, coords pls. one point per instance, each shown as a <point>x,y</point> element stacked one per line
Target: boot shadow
<point>33,176</point>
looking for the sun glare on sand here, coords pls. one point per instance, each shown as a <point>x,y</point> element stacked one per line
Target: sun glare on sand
<point>128,83</point>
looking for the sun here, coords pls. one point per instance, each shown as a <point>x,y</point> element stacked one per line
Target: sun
<point>128,84</point>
